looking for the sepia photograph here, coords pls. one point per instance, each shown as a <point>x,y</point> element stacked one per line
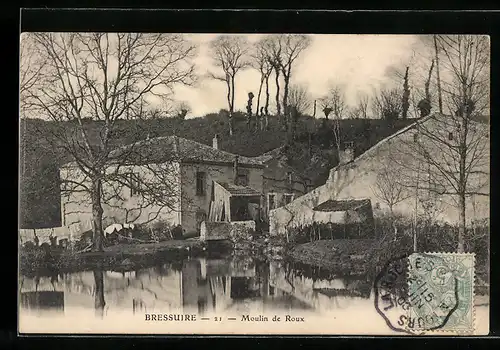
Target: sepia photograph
<point>320,184</point>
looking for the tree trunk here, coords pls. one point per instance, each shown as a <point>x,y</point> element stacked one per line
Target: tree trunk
<point>288,113</point>
<point>277,77</point>
<point>461,224</point>
<point>406,96</point>
<point>440,97</point>
<point>232,106</point>
<point>99,293</point>
<point>428,82</point>
<point>257,111</point>
<point>266,107</point>
<point>258,95</point>
<point>230,116</point>
<point>97,213</point>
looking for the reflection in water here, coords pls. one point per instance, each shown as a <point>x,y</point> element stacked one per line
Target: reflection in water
<point>99,293</point>
<point>236,284</point>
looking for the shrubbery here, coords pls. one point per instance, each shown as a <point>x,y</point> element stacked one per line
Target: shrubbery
<point>394,237</point>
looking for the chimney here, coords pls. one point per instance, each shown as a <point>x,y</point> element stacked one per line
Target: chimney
<point>235,170</point>
<point>215,142</point>
<point>347,154</point>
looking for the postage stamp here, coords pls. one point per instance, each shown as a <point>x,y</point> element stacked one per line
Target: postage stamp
<point>441,292</point>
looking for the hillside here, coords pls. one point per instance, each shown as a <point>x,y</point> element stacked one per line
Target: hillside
<point>312,153</point>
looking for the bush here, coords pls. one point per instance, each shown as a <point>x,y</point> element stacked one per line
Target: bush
<point>436,237</point>
<point>322,231</point>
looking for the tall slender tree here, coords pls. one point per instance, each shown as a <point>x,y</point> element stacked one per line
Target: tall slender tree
<point>261,62</point>
<point>231,56</point>
<point>292,45</point>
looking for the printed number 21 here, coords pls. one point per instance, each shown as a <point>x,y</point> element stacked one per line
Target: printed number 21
<point>217,318</point>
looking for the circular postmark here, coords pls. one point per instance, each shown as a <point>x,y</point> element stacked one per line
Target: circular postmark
<point>416,293</point>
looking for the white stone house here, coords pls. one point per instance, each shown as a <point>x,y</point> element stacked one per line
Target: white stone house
<point>190,168</point>
<point>394,159</point>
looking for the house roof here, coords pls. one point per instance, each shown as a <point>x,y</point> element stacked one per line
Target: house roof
<point>269,155</point>
<point>342,205</point>
<point>161,149</point>
<point>237,190</point>
<point>419,121</point>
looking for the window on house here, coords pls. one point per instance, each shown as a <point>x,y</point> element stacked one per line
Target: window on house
<point>450,136</point>
<point>133,184</point>
<point>201,183</point>
<point>242,178</point>
<point>287,198</point>
<point>271,201</point>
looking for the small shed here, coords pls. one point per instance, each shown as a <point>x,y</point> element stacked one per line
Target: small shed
<point>234,203</point>
<point>350,218</point>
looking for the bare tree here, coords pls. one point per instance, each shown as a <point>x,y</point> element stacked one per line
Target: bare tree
<point>363,105</point>
<point>183,109</point>
<point>388,189</point>
<point>299,101</point>
<point>31,65</point>
<point>466,92</point>
<point>261,62</point>
<point>453,150</point>
<point>334,102</point>
<point>274,49</point>
<point>299,98</point>
<point>231,55</point>
<point>292,46</point>
<point>424,106</point>
<point>105,77</point>
<point>387,103</point>
<point>438,76</point>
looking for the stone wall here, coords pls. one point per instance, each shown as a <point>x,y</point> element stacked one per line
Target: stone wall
<point>360,179</point>
<point>235,230</point>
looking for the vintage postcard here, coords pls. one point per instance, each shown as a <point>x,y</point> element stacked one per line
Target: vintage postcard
<point>254,184</point>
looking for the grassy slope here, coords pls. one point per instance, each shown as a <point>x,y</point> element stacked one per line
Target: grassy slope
<point>40,196</point>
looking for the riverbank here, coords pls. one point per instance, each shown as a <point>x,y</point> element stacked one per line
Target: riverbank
<point>352,256</point>
<point>118,257</point>
<point>361,256</point>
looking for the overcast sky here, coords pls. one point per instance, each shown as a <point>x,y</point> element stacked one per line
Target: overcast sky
<point>357,61</point>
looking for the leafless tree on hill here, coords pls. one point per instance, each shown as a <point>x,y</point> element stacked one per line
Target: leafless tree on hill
<point>299,101</point>
<point>387,103</point>
<point>335,103</point>
<point>292,46</point>
<point>363,105</point>
<point>274,49</point>
<point>299,98</point>
<point>261,62</point>
<point>104,77</point>
<point>231,55</point>
<point>183,109</point>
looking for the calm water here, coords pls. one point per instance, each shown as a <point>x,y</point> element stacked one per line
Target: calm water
<point>232,284</point>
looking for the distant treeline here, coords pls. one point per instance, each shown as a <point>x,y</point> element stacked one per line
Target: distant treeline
<point>312,151</point>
